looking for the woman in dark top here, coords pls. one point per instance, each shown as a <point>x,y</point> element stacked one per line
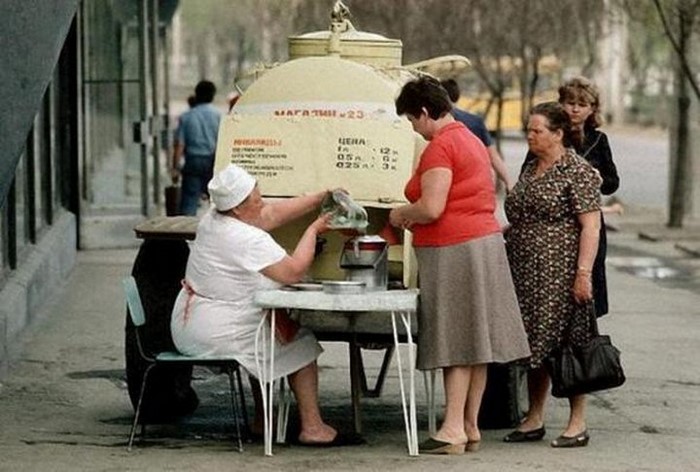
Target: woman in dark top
<point>581,101</point>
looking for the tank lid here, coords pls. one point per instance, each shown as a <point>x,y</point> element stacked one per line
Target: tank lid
<point>348,35</point>
<point>343,40</point>
<point>342,28</point>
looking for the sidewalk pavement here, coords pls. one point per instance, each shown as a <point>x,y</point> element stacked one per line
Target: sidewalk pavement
<point>64,405</point>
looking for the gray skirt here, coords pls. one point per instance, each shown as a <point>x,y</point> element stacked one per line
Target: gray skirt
<point>468,312</point>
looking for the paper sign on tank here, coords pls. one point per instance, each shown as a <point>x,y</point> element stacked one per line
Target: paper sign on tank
<point>289,156</point>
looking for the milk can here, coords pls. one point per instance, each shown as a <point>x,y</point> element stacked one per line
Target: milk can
<point>364,259</point>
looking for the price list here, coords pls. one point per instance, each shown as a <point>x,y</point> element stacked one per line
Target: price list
<point>262,157</point>
<point>354,153</point>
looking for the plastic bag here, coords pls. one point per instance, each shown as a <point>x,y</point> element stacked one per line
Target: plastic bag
<point>346,213</point>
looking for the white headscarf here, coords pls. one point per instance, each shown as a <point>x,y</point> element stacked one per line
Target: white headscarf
<point>230,187</point>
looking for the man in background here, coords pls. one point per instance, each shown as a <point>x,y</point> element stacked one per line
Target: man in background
<point>477,126</point>
<point>195,139</point>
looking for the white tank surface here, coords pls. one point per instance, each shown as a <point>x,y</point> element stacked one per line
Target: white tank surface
<point>325,79</point>
<point>326,122</point>
<point>322,121</point>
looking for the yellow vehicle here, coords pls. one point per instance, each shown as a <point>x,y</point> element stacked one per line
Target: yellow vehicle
<point>512,115</point>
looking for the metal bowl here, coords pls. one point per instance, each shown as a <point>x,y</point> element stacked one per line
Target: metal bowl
<point>344,286</point>
<point>307,286</point>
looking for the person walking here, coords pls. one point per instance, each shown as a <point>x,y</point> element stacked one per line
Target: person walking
<point>195,139</point>
<point>469,313</point>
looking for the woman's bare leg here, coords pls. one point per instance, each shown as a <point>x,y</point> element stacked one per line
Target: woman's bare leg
<point>577,416</point>
<point>456,381</point>
<point>538,389</point>
<point>304,384</point>
<point>475,394</point>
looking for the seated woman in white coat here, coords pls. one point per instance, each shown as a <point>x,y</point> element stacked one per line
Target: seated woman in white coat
<point>232,256</point>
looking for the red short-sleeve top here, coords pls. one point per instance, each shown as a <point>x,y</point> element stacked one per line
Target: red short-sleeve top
<point>471,201</point>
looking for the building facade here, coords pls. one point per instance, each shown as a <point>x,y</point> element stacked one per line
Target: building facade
<point>84,142</point>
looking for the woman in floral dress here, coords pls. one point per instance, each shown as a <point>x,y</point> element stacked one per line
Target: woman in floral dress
<point>554,213</point>
<point>581,101</point>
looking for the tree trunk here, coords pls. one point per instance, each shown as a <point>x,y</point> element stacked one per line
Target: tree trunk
<point>680,174</point>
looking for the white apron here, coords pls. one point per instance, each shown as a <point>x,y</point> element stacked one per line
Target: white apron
<point>218,316</point>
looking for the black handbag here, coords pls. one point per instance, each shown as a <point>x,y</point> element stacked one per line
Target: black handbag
<point>576,370</point>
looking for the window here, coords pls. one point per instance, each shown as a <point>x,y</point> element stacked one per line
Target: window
<point>22,204</point>
<point>4,242</point>
<point>43,145</point>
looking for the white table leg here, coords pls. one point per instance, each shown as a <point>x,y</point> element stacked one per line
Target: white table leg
<point>270,385</point>
<point>283,405</point>
<point>265,374</point>
<point>429,381</point>
<point>409,418</point>
<point>406,318</point>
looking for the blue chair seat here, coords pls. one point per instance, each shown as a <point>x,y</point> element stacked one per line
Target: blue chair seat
<point>174,356</point>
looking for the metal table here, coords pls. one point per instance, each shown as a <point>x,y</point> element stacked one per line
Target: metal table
<point>393,302</point>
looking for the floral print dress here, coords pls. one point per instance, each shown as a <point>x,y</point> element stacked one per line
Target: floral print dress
<point>542,245</point>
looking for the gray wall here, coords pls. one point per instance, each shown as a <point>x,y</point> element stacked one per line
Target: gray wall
<point>33,32</point>
<point>32,286</point>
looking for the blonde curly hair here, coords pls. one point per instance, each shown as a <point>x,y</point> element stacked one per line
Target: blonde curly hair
<point>581,89</point>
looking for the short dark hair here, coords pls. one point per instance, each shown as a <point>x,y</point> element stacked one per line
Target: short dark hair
<point>452,89</point>
<point>205,91</point>
<point>424,92</point>
<point>557,119</point>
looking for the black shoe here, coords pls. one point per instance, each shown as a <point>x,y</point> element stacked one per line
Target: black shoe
<point>580,440</point>
<point>525,436</point>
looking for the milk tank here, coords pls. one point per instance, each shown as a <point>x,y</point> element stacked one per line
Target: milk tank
<point>326,119</point>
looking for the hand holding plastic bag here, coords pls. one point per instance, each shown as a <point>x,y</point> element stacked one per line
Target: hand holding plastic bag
<point>345,212</point>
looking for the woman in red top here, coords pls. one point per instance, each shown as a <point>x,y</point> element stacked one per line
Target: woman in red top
<point>469,313</point>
